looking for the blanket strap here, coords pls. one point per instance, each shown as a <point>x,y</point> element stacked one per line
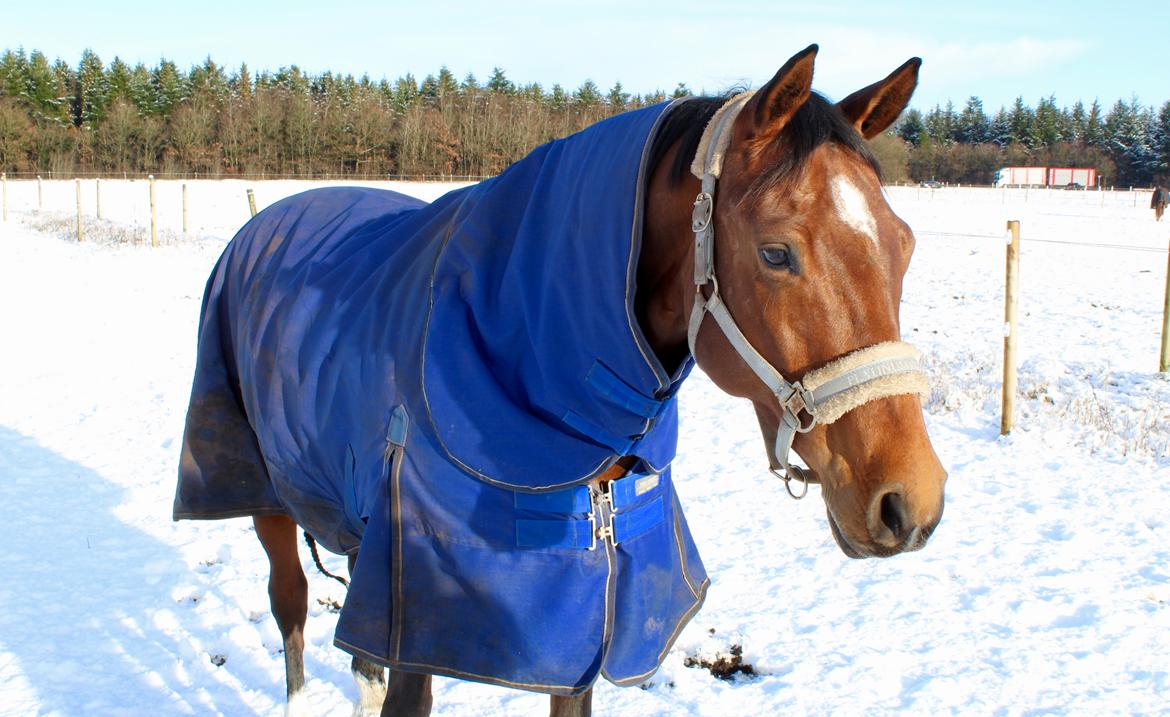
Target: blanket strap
<point>610,386</point>
<point>637,507</point>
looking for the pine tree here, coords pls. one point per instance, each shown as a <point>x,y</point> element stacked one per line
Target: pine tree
<point>43,91</point>
<point>241,83</point>
<point>1142,152</point>
<point>170,87</point>
<point>1129,141</point>
<point>681,90</point>
<point>429,87</point>
<point>66,80</point>
<point>558,99</point>
<point>499,82</point>
<point>532,92</point>
<point>617,98</point>
<point>142,92</point>
<point>973,125</point>
<point>406,92</point>
<point>587,94</point>
<point>1077,124</point>
<point>1021,119</point>
<point>1000,130</point>
<point>1162,141</point>
<point>292,79</point>
<point>941,124</point>
<point>118,80</point>
<point>1045,130</point>
<point>13,72</point>
<point>448,85</point>
<point>912,129</point>
<point>92,90</point>
<point>208,78</point>
<point>1094,129</point>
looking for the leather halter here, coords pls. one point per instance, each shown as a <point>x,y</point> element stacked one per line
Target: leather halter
<point>864,375</point>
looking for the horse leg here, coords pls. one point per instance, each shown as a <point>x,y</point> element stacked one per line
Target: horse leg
<point>369,676</point>
<point>288,592</point>
<point>579,706</point>
<point>371,684</point>
<point>409,695</point>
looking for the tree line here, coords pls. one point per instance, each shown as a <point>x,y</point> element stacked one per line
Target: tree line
<point>1129,144</point>
<point>214,122</point>
<point>211,121</point>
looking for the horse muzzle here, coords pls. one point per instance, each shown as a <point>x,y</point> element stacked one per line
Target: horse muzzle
<point>890,528</point>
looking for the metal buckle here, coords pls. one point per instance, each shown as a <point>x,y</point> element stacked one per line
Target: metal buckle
<point>701,216</point>
<point>597,530</point>
<point>609,531</point>
<point>801,401</point>
<point>592,521</point>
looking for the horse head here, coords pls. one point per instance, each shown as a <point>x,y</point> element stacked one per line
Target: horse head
<point>806,262</point>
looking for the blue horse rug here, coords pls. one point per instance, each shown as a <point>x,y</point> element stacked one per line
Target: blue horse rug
<point>437,385</point>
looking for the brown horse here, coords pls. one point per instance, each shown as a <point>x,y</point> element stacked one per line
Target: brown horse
<point>809,260</point>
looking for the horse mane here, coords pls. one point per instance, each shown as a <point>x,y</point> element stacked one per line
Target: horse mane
<point>817,122</point>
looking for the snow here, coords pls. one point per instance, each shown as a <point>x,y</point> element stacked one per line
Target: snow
<point>1044,590</point>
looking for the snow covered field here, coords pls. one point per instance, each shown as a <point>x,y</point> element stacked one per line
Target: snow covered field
<point>1044,591</point>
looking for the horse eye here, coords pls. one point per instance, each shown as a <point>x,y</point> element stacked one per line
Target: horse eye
<point>777,257</point>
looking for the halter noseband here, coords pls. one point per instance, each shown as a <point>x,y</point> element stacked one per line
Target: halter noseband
<point>822,395</point>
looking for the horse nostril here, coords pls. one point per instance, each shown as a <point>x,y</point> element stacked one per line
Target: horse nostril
<point>893,515</point>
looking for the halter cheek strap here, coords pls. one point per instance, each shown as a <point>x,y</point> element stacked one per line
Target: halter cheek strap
<point>823,395</point>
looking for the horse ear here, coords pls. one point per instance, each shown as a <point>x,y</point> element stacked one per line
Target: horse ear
<point>775,103</point>
<point>875,108</point>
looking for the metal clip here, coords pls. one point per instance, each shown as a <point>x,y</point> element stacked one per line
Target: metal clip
<point>600,529</point>
<point>592,524</point>
<point>704,208</point>
<point>605,532</point>
<point>801,401</point>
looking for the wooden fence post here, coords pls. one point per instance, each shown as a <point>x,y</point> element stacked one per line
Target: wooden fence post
<point>184,209</point>
<point>252,202</point>
<point>153,215</point>
<point>97,190</point>
<point>77,183</point>
<point>1011,291</point>
<point>1164,359</point>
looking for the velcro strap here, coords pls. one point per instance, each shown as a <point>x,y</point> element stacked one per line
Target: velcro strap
<point>631,524</point>
<point>554,533</point>
<point>608,385</point>
<point>620,445</point>
<point>568,500</point>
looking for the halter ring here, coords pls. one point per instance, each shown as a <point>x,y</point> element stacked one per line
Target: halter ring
<point>788,478</point>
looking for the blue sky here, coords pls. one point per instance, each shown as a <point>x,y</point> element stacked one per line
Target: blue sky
<point>993,49</point>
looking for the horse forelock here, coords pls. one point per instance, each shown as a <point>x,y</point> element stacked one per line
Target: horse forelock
<point>817,122</point>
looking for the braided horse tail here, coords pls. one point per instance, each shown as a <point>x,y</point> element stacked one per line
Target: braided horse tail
<point>317,560</point>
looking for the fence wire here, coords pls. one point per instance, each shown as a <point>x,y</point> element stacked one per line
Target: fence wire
<point>1037,240</point>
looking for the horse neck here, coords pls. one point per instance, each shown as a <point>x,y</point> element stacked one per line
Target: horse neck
<point>666,264</point>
